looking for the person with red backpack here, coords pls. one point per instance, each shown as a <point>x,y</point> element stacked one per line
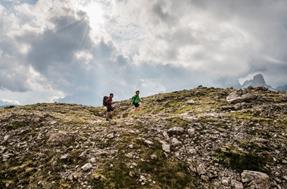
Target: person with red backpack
<point>108,102</point>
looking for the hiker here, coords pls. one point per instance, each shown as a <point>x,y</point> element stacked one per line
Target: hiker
<point>108,102</point>
<point>136,100</point>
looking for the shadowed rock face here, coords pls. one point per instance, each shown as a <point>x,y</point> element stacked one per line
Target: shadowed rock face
<point>199,138</point>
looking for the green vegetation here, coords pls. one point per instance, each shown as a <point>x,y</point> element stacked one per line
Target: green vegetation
<point>160,172</point>
<point>176,122</point>
<point>235,158</point>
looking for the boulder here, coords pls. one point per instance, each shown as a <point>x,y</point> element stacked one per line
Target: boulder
<point>87,167</point>
<point>166,147</point>
<point>225,181</point>
<point>191,131</point>
<point>236,184</point>
<point>148,142</point>
<point>190,102</point>
<point>255,180</point>
<point>175,131</point>
<point>175,142</point>
<point>234,98</point>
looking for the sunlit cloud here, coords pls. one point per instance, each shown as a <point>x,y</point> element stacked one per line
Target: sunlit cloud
<point>79,50</point>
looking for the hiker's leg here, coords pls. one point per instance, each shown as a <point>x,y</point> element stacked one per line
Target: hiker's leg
<point>137,107</point>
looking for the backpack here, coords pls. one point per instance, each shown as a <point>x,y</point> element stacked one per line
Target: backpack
<point>105,101</point>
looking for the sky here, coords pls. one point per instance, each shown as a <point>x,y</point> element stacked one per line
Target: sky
<point>77,51</point>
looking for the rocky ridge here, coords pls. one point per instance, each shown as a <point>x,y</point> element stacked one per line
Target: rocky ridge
<point>199,138</point>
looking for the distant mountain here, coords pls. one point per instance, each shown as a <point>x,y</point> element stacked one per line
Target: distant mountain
<point>282,88</point>
<point>257,81</point>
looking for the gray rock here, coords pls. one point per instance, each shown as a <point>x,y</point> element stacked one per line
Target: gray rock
<point>6,137</point>
<point>2,149</point>
<point>164,133</point>
<point>192,151</point>
<point>65,156</point>
<point>166,147</point>
<point>236,184</point>
<point>254,179</point>
<point>111,136</point>
<point>248,97</point>
<point>234,98</point>
<point>148,142</point>
<point>93,160</point>
<point>175,131</point>
<point>204,177</point>
<point>190,102</point>
<point>129,155</point>
<point>175,142</point>
<point>191,131</point>
<point>53,122</point>
<point>201,169</point>
<point>142,180</point>
<point>153,156</point>
<point>87,167</point>
<point>6,156</point>
<point>225,181</point>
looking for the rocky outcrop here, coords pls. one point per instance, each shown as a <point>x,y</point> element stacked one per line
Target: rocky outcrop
<point>255,180</point>
<point>235,98</point>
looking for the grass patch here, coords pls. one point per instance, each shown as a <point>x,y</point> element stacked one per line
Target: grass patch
<point>164,171</point>
<point>247,116</point>
<point>234,158</point>
<point>17,124</point>
<point>177,122</point>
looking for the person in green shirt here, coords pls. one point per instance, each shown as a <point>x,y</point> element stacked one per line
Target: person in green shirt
<point>136,100</point>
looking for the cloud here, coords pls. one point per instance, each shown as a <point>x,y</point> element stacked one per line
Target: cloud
<point>224,38</point>
<point>6,102</point>
<point>78,51</point>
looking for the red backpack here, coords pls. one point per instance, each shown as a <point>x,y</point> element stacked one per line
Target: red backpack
<point>105,99</point>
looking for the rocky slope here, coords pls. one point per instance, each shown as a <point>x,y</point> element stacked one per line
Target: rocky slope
<point>200,138</point>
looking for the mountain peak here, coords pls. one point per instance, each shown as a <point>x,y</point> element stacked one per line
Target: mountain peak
<point>258,78</point>
<point>257,81</point>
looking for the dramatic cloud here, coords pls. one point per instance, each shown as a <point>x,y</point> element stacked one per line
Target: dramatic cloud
<point>79,50</point>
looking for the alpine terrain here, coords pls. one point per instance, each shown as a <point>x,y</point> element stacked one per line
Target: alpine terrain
<point>199,138</point>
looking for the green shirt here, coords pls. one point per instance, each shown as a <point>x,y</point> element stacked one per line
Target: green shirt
<point>136,99</point>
